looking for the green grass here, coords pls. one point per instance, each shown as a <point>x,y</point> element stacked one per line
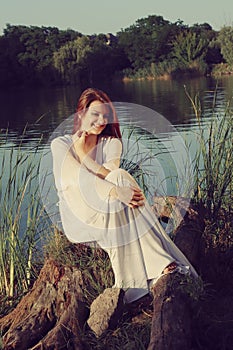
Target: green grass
<point>21,215</point>
<point>213,163</point>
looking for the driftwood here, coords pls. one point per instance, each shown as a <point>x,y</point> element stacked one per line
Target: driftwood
<point>52,315</point>
<point>172,309</point>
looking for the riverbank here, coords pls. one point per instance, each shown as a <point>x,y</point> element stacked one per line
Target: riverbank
<point>194,71</point>
<point>212,310</point>
<point>213,196</point>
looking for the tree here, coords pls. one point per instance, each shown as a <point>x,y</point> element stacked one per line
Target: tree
<point>71,59</point>
<point>225,39</point>
<point>10,46</point>
<point>106,57</point>
<point>189,47</point>
<point>29,50</point>
<point>147,41</point>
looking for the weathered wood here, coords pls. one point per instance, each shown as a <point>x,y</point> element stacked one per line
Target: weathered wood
<point>171,325</point>
<point>190,224</point>
<point>106,310</point>
<point>171,322</point>
<point>51,315</point>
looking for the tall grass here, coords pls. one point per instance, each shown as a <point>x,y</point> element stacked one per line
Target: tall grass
<point>22,218</point>
<point>213,163</point>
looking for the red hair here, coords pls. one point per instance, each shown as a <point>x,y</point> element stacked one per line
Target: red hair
<point>87,97</point>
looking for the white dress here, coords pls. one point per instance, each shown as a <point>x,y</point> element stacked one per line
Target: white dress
<point>137,245</point>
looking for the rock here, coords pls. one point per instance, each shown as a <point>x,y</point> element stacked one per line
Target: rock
<point>171,321</point>
<point>106,310</point>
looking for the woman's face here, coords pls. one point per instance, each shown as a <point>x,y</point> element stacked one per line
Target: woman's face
<point>95,118</point>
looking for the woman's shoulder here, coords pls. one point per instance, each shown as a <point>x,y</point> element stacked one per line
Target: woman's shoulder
<point>61,141</point>
<point>64,139</point>
<point>110,141</point>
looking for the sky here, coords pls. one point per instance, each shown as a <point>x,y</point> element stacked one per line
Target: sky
<point>111,16</point>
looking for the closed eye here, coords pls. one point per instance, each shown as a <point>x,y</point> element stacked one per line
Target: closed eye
<point>96,114</point>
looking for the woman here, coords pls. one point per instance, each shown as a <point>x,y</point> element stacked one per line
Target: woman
<point>99,202</point>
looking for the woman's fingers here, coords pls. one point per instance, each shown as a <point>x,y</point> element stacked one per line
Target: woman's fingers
<point>81,133</point>
<point>134,204</point>
<point>138,195</point>
<point>138,198</point>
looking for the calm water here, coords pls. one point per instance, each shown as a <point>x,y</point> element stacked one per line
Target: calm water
<point>27,114</point>
<point>41,110</point>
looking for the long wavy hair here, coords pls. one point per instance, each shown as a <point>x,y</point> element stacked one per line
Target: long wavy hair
<point>88,96</point>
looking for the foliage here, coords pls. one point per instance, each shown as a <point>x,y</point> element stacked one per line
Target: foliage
<point>147,40</point>
<point>71,59</point>
<point>189,46</point>
<point>29,51</point>
<point>153,71</point>
<point>22,220</point>
<point>222,69</point>
<point>225,38</point>
<point>150,47</point>
<point>214,160</point>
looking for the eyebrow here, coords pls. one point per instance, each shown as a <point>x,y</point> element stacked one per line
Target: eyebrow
<point>96,110</point>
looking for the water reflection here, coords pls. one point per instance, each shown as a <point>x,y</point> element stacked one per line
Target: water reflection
<point>28,118</point>
<point>40,111</point>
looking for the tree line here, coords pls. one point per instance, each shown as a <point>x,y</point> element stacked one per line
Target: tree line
<point>151,47</point>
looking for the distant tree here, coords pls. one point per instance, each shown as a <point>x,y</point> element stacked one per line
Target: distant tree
<point>90,58</point>
<point>225,39</point>
<point>105,58</point>
<point>213,55</point>
<point>147,41</point>
<point>10,46</point>
<point>6,71</point>
<point>202,28</point>
<point>189,46</point>
<point>205,31</point>
<point>71,59</point>
<point>31,49</point>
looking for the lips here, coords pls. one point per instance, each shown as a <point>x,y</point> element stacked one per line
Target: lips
<point>97,126</point>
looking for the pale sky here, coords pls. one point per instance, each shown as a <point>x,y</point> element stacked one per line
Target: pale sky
<point>103,16</point>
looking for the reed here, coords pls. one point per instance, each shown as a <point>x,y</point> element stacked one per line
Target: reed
<point>213,162</point>
<point>22,219</point>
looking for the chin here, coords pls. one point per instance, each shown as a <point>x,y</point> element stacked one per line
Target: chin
<point>96,131</point>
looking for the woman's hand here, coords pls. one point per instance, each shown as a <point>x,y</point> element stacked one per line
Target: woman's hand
<point>79,140</point>
<point>133,197</point>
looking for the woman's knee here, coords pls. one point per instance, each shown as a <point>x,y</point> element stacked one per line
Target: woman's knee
<point>121,177</point>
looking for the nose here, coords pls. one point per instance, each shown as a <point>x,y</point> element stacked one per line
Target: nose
<point>101,119</point>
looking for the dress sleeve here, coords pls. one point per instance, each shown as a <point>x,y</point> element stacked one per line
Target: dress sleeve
<point>68,172</point>
<point>112,154</point>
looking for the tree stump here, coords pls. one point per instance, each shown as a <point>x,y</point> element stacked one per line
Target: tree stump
<point>171,321</point>
<point>52,315</point>
<point>172,308</point>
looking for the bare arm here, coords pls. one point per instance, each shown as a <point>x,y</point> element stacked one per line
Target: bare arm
<point>131,196</point>
<point>85,159</point>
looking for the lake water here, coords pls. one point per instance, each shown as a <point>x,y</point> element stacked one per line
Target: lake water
<point>42,110</point>
<point>151,105</point>
<point>158,108</point>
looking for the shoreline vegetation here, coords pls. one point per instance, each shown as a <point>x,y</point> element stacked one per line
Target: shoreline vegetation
<point>21,258</point>
<point>151,48</point>
<point>218,70</point>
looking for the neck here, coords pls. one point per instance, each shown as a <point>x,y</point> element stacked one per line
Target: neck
<point>91,140</point>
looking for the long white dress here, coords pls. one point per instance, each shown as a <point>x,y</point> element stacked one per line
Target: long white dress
<point>138,247</point>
